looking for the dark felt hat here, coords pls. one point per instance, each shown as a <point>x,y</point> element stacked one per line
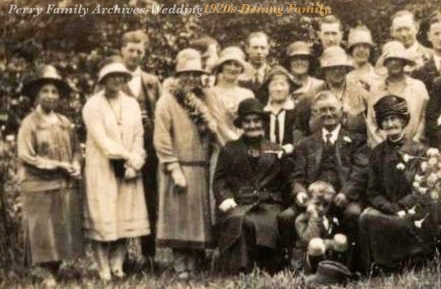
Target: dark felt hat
<point>391,105</point>
<point>329,272</point>
<point>246,107</point>
<point>47,74</point>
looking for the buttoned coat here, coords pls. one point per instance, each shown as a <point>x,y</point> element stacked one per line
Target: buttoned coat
<point>235,175</point>
<point>352,163</point>
<point>184,219</point>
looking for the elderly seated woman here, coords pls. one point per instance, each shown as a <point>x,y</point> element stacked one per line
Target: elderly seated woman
<point>250,184</point>
<point>398,225</point>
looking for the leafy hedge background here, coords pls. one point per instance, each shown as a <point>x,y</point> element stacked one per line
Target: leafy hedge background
<point>76,46</point>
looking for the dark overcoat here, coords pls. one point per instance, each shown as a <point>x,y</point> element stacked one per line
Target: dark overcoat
<point>386,239</point>
<point>352,163</point>
<point>235,177</point>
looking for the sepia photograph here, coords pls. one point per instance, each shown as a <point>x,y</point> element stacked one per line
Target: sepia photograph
<point>191,144</point>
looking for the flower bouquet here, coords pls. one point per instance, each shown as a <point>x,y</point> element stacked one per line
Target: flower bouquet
<point>427,185</point>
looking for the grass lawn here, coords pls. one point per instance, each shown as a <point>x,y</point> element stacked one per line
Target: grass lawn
<point>83,275</point>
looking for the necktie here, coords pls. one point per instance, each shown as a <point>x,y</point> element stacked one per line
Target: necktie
<point>328,140</point>
<point>258,79</point>
<point>276,128</point>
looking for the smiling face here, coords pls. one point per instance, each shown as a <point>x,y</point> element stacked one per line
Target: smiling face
<point>329,109</point>
<point>393,126</point>
<point>189,80</point>
<point>404,29</point>
<point>48,97</point>
<point>336,74</point>
<point>361,52</point>
<point>299,65</point>
<point>252,126</point>
<point>257,50</point>
<point>231,70</point>
<point>113,83</point>
<point>132,54</point>
<point>279,88</point>
<point>395,66</point>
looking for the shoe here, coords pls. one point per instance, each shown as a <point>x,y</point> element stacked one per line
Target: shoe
<point>105,276</point>
<point>184,275</point>
<point>118,273</point>
<point>49,283</point>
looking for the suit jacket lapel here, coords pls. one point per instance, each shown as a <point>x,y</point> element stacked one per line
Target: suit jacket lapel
<point>317,151</point>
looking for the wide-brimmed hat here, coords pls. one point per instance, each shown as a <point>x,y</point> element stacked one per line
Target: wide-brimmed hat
<point>335,56</point>
<point>393,49</point>
<point>279,70</point>
<point>299,48</point>
<point>231,53</point>
<point>113,68</point>
<point>46,74</point>
<point>391,105</point>
<point>189,60</point>
<point>329,272</point>
<point>246,107</point>
<point>359,35</point>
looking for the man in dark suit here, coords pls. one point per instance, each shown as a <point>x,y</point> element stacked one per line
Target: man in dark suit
<point>257,50</point>
<point>404,28</point>
<point>430,74</point>
<point>250,185</point>
<point>432,67</point>
<point>146,88</point>
<point>336,156</point>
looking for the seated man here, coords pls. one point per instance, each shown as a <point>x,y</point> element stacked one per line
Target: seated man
<point>250,186</point>
<point>389,234</point>
<point>333,155</point>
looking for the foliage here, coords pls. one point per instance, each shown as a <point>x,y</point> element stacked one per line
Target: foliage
<point>77,45</point>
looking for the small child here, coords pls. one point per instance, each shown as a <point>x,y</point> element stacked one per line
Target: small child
<point>316,225</point>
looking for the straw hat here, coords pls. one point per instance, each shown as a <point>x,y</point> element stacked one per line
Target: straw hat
<point>335,56</point>
<point>299,48</point>
<point>393,49</point>
<point>231,53</point>
<point>114,68</point>
<point>47,74</point>
<point>359,35</point>
<point>189,60</point>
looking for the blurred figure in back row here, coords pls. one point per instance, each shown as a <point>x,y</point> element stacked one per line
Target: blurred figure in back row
<point>146,89</point>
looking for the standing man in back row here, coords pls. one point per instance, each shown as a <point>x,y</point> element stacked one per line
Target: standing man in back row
<point>257,49</point>
<point>145,87</point>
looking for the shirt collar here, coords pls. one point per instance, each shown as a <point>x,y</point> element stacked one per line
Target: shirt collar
<point>334,134</point>
<point>137,72</point>
<point>413,47</point>
<point>437,60</point>
<point>289,104</point>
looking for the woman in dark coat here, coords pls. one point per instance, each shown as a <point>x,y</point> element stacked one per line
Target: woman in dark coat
<point>49,168</point>
<point>250,187</point>
<point>388,234</point>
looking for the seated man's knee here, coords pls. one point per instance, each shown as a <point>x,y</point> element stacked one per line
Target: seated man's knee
<point>316,247</point>
<point>287,216</point>
<point>352,211</point>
